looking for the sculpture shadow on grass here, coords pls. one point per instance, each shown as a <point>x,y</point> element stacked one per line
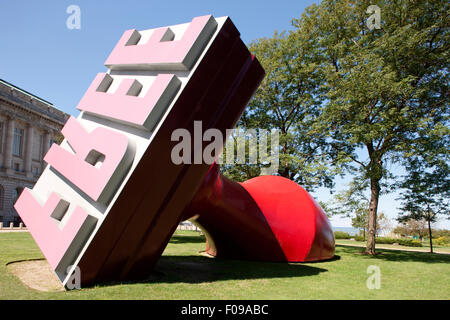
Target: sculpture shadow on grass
<point>187,239</point>
<point>199,269</point>
<point>190,268</point>
<point>180,268</point>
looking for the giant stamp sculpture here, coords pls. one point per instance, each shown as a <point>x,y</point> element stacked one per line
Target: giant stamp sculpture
<point>110,197</point>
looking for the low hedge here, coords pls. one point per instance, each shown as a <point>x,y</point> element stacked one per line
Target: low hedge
<point>341,235</point>
<point>403,242</point>
<point>442,241</point>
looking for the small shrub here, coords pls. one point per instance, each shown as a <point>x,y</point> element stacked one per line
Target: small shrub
<point>441,233</point>
<point>384,240</point>
<point>341,235</point>
<point>403,242</point>
<point>442,241</point>
<point>410,242</point>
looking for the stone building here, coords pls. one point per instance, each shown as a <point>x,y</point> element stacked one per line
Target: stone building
<point>28,126</point>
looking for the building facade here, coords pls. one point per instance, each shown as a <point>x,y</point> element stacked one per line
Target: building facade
<point>28,127</point>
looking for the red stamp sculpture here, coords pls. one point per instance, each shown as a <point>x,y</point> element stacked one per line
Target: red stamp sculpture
<point>111,196</point>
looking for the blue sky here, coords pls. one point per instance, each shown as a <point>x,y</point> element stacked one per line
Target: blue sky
<point>41,55</point>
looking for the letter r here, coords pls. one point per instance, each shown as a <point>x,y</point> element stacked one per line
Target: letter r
<point>102,157</point>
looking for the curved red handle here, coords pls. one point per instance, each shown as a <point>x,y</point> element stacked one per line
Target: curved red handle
<point>267,218</point>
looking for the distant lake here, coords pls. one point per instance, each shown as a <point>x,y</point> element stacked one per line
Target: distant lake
<point>350,230</point>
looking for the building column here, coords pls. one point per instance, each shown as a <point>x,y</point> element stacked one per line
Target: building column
<point>45,147</point>
<point>9,145</point>
<point>28,151</point>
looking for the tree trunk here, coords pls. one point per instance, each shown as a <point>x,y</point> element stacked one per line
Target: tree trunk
<point>429,233</point>
<point>285,173</point>
<point>373,208</point>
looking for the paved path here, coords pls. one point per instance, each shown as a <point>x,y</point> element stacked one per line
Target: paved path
<point>390,248</point>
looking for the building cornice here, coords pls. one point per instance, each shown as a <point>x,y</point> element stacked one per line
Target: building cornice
<point>48,112</point>
<point>30,116</point>
<point>17,177</point>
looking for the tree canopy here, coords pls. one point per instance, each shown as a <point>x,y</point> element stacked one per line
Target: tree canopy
<point>288,100</point>
<point>383,88</point>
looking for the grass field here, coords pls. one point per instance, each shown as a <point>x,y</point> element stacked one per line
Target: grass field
<point>183,273</point>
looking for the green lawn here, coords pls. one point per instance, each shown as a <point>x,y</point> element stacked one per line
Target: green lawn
<point>182,273</point>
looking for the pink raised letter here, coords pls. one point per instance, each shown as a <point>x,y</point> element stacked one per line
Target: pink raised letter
<point>161,51</point>
<point>101,159</point>
<point>125,105</point>
<point>44,227</point>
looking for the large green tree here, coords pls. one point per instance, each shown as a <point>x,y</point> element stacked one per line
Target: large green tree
<point>381,86</point>
<point>426,188</point>
<point>288,100</point>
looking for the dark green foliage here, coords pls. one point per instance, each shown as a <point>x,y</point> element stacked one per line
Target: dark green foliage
<point>385,91</point>
<point>401,241</point>
<point>442,240</point>
<point>288,100</point>
<point>341,235</point>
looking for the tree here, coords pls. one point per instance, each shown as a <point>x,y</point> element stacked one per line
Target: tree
<point>412,227</point>
<point>426,189</point>
<point>383,223</point>
<point>426,186</point>
<point>288,100</point>
<point>382,87</point>
<point>59,138</point>
<point>360,222</point>
<point>353,203</point>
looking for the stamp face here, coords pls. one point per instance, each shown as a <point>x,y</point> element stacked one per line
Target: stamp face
<point>110,197</point>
